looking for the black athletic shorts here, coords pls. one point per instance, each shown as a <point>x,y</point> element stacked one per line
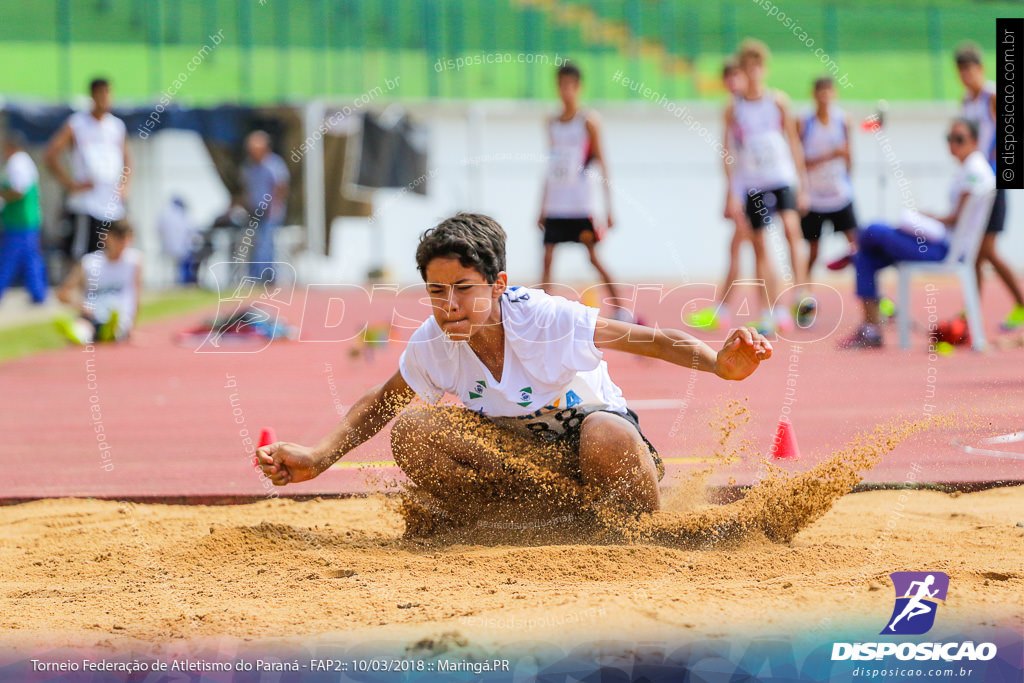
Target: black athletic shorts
<point>761,205</point>
<point>571,439</point>
<point>566,229</point>
<point>83,234</point>
<point>842,220</point>
<point>997,218</point>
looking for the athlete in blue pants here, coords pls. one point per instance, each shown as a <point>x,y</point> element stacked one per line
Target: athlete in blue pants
<point>20,218</point>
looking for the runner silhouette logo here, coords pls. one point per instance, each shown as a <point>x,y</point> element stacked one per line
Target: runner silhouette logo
<point>917,599</point>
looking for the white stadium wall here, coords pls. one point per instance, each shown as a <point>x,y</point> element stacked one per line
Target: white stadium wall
<point>666,179</point>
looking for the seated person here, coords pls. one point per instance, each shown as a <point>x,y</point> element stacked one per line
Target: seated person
<point>882,245</point>
<point>104,286</point>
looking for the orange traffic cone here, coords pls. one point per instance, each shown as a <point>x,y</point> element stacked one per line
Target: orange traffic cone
<point>784,445</point>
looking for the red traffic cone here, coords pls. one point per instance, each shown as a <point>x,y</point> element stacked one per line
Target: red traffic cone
<point>784,445</point>
<point>871,124</point>
<point>267,436</point>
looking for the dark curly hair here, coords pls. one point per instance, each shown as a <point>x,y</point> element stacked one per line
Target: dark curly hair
<point>473,238</point>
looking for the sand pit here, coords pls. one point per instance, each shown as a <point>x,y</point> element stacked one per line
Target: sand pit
<point>795,551</point>
<point>109,575</point>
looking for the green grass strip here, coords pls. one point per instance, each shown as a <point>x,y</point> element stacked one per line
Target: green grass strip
<point>24,340</point>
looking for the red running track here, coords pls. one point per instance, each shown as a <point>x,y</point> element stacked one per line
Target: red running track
<point>175,421</point>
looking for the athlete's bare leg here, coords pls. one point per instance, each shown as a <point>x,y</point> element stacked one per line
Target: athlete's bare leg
<point>763,268</point>
<point>791,224</point>
<point>549,256</point>
<point>590,242</point>
<point>740,235</point>
<point>812,256</point>
<point>988,252</point>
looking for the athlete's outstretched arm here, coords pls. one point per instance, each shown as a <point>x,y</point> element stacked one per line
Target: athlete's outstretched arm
<point>741,354</point>
<point>286,463</point>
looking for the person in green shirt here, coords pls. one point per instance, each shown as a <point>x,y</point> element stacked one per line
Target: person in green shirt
<point>20,219</point>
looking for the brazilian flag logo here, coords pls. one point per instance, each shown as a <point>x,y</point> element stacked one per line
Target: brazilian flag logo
<point>525,396</point>
<point>478,390</point>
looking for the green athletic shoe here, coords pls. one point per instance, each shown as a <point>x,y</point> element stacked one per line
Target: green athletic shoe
<point>706,317</point>
<point>806,312</point>
<point>74,330</point>
<point>1015,320</point>
<point>108,330</point>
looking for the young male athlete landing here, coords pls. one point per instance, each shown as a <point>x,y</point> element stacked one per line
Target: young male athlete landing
<point>522,362</point>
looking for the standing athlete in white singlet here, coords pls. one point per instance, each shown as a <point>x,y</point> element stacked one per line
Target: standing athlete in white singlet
<point>99,171</point>
<point>825,134</point>
<point>566,208</point>
<point>762,134</point>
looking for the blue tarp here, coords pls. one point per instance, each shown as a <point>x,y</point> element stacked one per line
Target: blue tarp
<point>224,125</point>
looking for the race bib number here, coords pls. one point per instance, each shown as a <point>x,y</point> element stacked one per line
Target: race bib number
<point>550,423</point>
<point>564,167</point>
<point>764,153</point>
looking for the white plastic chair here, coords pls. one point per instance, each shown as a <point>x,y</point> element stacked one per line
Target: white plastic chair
<point>963,252</point>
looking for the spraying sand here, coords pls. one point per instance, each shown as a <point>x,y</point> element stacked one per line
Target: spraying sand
<point>110,575</point>
<point>533,499</point>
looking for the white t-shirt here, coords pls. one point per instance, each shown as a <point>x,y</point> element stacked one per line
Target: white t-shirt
<point>552,377</point>
<point>974,177</point>
<point>20,173</point>
<point>110,286</point>
<point>98,157</point>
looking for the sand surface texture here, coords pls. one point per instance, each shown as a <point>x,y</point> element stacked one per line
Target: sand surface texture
<point>110,575</point>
